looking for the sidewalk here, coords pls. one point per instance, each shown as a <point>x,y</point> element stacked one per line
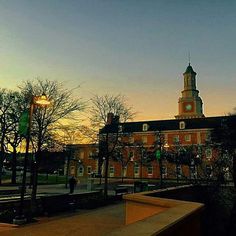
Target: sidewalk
<point>49,189</point>
<point>96,222</point>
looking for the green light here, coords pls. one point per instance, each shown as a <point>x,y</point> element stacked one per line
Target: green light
<point>24,123</point>
<point>158,154</point>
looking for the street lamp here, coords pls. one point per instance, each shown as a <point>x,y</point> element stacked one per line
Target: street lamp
<point>35,101</point>
<point>68,152</point>
<point>159,153</point>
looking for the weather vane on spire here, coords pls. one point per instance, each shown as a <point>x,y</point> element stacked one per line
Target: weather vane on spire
<point>189,57</point>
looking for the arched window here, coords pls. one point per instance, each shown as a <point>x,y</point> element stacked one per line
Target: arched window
<point>145,127</point>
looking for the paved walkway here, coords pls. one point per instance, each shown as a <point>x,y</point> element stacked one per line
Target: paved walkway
<point>96,222</point>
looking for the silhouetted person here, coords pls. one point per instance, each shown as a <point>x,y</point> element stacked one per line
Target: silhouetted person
<point>72,183</point>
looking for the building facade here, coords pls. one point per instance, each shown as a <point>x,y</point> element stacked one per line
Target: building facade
<point>150,149</point>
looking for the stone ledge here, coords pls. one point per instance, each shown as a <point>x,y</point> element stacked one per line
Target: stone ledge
<point>161,217</point>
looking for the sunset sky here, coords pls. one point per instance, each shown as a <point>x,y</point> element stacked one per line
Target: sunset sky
<point>138,48</point>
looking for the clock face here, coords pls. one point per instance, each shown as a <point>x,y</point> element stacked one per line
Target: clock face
<point>188,107</point>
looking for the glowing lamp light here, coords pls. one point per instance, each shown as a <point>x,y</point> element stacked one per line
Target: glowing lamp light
<point>166,145</point>
<point>42,100</point>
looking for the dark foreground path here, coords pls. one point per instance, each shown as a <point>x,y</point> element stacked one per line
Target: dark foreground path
<point>96,222</point>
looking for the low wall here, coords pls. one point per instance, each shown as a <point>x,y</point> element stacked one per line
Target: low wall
<point>148,215</point>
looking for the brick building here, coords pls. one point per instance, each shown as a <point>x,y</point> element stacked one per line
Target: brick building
<point>146,149</point>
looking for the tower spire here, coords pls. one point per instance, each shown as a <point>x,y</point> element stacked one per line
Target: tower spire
<point>190,104</point>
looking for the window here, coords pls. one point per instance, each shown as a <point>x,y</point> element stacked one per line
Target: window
<point>81,154</point>
<point>164,172</point>
<point>208,136</point>
<point>176,139</point>
<point>131,139</point>
<point>89,170</point>
<point>150,170</point>
<point>111,171</point>
<point>120,128</point>
<point>209,171</point>
<point>72,170</point>
<point>91,155</point>
<point>181,125</point>
<point>131,154</point>
<point>145,127</point>
<point>208,153</point>
<point>178,171</point>
<point>81,171</point>
<point>193,172</point>
<point>226,173</point>
<point>124,171</point>
<point>144,139</point>
<point>187,137</point>
<point>136,169</point>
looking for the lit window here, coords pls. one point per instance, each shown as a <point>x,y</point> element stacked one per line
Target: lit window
<point>81,155</point>
<point>144,139</point>
<point>111,171</point>
<point>125,171</point>
<point>187,137</point>
<point>145,127</point>
<point>181,125</point>
<point>131,139</point>
<point>208,153</point>
<point>91,155</point>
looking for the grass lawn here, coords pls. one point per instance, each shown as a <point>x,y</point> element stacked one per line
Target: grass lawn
<point>42,179</point>
<point>51,179</point>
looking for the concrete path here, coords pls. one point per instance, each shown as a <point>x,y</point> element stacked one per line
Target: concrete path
<point>96,222</point>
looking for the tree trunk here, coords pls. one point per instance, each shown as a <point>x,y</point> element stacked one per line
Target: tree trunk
<point>234,168</point>
<point>13,166</point>
<point>2,155</point>
<point>122,173</point>
<point>106,178</point>
<point>35,182</point>
<point>106,169</point>
<point>1,165</point>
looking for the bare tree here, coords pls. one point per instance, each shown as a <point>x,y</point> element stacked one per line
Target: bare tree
<point>101,106</point>
<point>123,153</point>
<point>11,106</point>
<point>118,111</point>
<point>64,106</point>
<point>13,137</point>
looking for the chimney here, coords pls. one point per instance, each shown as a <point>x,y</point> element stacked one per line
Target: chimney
<point>110,117</point>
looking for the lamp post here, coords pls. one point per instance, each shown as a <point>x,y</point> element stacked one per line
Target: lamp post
<point>35,101</point>
<point>159,154</point>
<point>68,152</point>
<point>141,170</point>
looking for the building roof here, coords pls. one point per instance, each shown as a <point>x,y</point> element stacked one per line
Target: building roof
<point>163,125</point>
<point>190,70</point>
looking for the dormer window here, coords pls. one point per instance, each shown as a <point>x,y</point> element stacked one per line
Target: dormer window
<point>181,125</point>
<point>145,127</point>
<point>120,128</point>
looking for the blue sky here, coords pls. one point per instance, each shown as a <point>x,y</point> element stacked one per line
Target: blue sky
<point>133,47</point>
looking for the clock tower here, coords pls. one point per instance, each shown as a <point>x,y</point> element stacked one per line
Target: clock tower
<point>190,104</point>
